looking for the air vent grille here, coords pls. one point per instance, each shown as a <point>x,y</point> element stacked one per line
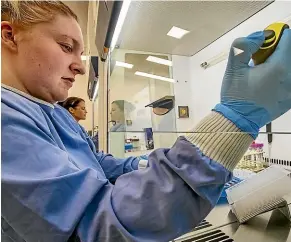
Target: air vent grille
<point>278,162</point>
<point>204,224</point>
<point>212,236</point>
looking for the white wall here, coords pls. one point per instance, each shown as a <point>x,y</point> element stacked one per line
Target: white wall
<point>183,91</point>
<point>81,9</point>
<point>202,92</point>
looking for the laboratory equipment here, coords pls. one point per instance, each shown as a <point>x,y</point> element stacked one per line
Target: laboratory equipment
<point>273,34</point>
<point>222,225</point>
<point>223,196</point>
<point>259,193</point>
<point>149,140</point>
<point>252,110</point>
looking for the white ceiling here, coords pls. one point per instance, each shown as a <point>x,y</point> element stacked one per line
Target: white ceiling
<point>148,22</point>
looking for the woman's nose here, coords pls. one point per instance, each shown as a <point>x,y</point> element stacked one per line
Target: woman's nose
<point>78,68</point>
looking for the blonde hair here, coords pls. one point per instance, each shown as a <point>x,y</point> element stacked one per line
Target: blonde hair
<point>24,14</point>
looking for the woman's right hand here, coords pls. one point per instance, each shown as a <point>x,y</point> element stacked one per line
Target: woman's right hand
<point>251,97</point>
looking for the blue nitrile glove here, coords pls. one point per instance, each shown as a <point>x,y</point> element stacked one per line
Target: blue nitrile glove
<point>252,96</point>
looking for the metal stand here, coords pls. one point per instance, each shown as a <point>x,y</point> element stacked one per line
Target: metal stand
<point>285,207</point>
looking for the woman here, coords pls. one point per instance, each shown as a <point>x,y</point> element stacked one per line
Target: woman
<point>119,109</point>
<point>76,107</point>
<point>117,116</point>
<point>55,188</point>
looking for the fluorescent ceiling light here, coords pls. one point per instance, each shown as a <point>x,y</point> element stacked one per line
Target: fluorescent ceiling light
<point>177,32</point>
<point>123,64</point>
<point>120,21</point>
<point>84,57</point>
<point>154,76</point>
<point>159,61</point>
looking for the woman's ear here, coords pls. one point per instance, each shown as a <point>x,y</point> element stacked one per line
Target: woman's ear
<point>71,110</point>
<point>7,36</point>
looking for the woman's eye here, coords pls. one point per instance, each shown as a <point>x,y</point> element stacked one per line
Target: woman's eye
<point>67,48</point>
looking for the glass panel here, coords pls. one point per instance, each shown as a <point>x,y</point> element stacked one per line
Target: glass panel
<point>140,107</point>
<point>153,101</point>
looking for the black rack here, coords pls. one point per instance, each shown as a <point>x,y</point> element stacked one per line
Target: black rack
<point>163,102</point>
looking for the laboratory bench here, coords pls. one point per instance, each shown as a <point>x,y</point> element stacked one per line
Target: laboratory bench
<point>221,225</point>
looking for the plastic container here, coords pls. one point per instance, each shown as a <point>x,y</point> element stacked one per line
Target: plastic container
<point>223,198</point>
<point>259,193</point>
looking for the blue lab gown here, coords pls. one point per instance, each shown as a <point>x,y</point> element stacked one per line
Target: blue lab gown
<point>118,128</point>
<point>54,186</point>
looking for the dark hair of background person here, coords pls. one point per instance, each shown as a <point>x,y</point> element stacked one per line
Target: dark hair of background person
<point>71,102</point>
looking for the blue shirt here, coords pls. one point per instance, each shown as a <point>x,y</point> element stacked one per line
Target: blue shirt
<point>54,184</point>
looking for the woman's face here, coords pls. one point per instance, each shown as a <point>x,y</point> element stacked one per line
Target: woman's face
<point>116,114</point>
<point>79,112</point>
<point>45,58</point>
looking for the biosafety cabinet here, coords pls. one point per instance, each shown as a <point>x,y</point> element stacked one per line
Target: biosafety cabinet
<point>158,78</point>
<point>162,69</point>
